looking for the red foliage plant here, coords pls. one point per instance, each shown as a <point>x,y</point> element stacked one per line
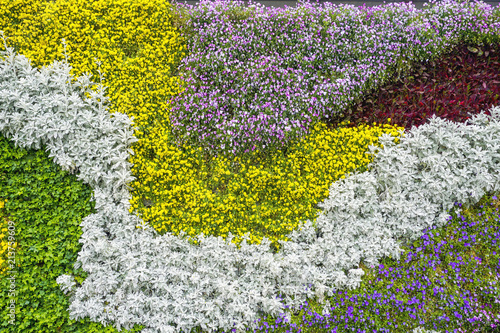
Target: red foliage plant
<point>463,82</point>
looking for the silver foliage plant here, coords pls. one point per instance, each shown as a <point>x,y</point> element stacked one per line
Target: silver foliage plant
<point>136,276</point>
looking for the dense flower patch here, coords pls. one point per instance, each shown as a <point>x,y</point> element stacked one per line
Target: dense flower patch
<point>266,198</point>
<point>213,284</point>
<point>447,279</point>
<point>258,79</point>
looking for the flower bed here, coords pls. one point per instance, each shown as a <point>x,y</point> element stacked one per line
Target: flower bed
<point>318,214</point>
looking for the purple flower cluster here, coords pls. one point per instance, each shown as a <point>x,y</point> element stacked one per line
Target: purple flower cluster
<point>446,281</point>
<point>256,80</point>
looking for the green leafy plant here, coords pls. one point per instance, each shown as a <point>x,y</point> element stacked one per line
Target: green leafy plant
<point>46,205</point>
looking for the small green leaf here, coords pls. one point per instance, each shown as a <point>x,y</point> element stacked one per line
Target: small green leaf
<point>472,49</point>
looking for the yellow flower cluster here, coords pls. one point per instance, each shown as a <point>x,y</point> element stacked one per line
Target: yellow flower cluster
<point>182,189</point>
<point>265,196</point>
